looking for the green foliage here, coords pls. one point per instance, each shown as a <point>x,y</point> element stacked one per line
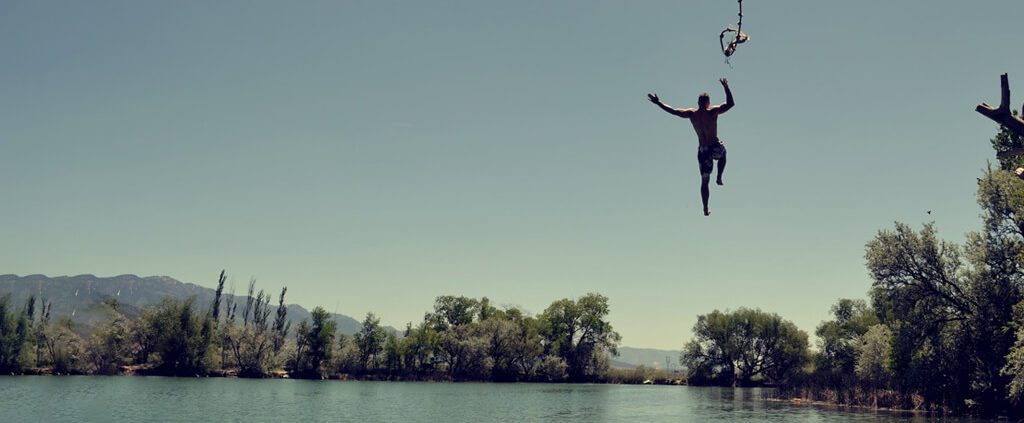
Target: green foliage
<point>394,354</point>
<point>175,338</point>
<point>64,348</point>
<point>465,352</point>
<point>451,311</point>
<point>577,332</point>
<point>1006,141</point>
<point>314,345</point>
<point>254,345</point>
<point>15,328</point>
<point>370,340</point>
<point>347,359</point>
<point>281,323</point>
<point>421,346</point>
<point>109,347</point>
<point>875,351</point>
<point>838,338</point>
<point>513,345</point>
<point>1014,368</point>
<point>552,369</point>
<point>468,339</point>
<point>743,347</point>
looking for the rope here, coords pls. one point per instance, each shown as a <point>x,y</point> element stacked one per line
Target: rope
<point>738,38</point>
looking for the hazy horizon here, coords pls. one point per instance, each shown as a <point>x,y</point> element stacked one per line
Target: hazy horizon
<point>374,155</point>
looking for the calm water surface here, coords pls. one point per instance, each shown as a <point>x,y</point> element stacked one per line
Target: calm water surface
<point>130,399</point>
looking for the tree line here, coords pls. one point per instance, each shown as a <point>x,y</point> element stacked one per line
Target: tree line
<point>462,338</point>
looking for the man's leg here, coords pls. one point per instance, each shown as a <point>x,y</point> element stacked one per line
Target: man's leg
<point>721,168</point>
<point>705,192</point>
<point>704,158</point>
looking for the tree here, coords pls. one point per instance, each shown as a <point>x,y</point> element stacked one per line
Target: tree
<point>741,347</point>
<point>394,354</point>
<point>1014,368</point>
<point>1008,145</point>
<point>173,336</point>
<point>465,352</point>
<point>502,342</point>
<point>513,344</point>
<point>15,330</point>
<point>370,340</point>
<point>64,347</point>
<point>875,350</point>
<point>252,345</point>
<point>838,337</point>
<point>552,369</point>
<point>301,334</point>
<point>451,311</point>
<point>281,323</point>
<point>315,345</point>
<point>109,347</point>
<point>422,346</point>
<point>577,332</point>
<point>39,327</point>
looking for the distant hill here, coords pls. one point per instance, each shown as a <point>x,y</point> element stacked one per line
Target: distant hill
<point>646,357</point>
<point>81,297</point>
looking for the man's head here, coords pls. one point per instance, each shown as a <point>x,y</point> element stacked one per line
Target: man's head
<point>703,100</point>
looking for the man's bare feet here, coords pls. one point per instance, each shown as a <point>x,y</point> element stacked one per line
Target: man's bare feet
<point>719,182</point>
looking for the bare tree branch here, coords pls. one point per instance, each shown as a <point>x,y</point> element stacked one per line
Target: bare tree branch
<point>1002,114</point>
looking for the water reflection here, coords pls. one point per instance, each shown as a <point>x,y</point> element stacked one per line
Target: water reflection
<point>168,399</point>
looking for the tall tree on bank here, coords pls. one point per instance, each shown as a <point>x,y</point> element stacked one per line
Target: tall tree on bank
<point>281,323</point>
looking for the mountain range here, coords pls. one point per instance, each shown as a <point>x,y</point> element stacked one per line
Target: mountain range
<point>81,297</point>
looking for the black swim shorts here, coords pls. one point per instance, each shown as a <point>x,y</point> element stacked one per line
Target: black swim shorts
<point>707,153</point>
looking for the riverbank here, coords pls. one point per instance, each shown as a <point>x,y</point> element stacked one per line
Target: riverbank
<point>883,401</point>
<point>850,407</point>
<point>614,377</point>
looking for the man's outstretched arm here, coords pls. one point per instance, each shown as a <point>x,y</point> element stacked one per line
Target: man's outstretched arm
<point>683,113</point>
<point>722,108</point>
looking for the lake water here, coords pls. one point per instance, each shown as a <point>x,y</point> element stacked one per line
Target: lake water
<point>131,399</point>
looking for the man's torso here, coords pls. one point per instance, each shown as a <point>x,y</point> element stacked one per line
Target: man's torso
<point>705,123</point>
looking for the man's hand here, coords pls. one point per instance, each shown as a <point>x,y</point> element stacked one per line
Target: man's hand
<point>653,98</point>
<point>725,82</point>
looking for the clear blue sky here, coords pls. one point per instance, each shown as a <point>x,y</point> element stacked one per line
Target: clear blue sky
<point>372,155</point>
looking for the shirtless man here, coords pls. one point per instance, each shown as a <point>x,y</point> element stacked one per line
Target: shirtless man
<point>705,121</point>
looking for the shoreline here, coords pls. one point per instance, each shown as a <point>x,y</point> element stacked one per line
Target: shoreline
<point>867,408</point>
<point>133,371</point>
